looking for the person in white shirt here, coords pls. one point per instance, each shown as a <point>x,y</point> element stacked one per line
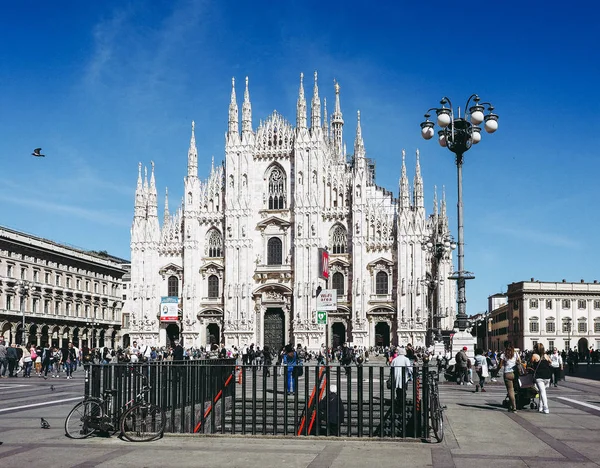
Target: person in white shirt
<point>402,368</point>
<point>556,364</point>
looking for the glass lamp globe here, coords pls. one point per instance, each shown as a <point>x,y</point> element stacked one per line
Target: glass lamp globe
<point>442,140</point>
<point>443,119</point>
<point>427,133</point>
<point>477,117</point>
<point>475,135</point>
<point>491,125</point>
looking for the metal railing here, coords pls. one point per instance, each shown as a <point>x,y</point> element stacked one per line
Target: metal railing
<point>219,397</point>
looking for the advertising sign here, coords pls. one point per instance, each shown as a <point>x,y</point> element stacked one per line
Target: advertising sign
<point>327,300</point>
<point>323,264</point>
<point>322,317</point>
<point>169,309</point>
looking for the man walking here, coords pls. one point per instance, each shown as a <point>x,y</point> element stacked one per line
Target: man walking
<point>3,359</point>
<point>556,363</point>
<point>12,357</point>
<point>461,366</point>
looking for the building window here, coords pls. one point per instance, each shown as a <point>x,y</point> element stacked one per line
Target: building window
<point>68,311</point>
<point>213,286</point>
<point>125,320</point>
<point>68,282</point>
<point>95,313</point>
<point>274,251</point>
<point>96,288</point>
<point>582,327</point>
<point>551,345</point>
<point>23,273</point>
<point>277,192</point>
<point>124,287</point>
<point>79,284</point>
<point>46,307</point>
<point>548,303</point>
<point>34,306</point>
<point>124,297</point>
<point>581,304</point>
<point>533,304</point>
<point>567,344</point>
<point>78,310</point>
<point>566,326</point>
<point>566,303</point>
<point>596,305</point>
<point>596,327</point>
<point>9,302</point>
<point>56,308</point>
<point>381,283</point>
<point>9,270</point>
<point>215,244</point>
<point>339,239</point>
<point>516,327</point>
<point>103,289</point>
<point>534,327</point>
<point>36,275</point>
<point>534,343</point>
<point>104,316</point>
<point>515,305</point>
<point>337,282</point>
<point>47,278</point>
<point>173,286</point>
<point>550,327</point>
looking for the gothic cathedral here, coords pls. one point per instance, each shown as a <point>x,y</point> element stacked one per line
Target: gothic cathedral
<point>241,252</point>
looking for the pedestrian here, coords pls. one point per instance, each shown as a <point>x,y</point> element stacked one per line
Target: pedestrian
<point>462,363</point>
<point>402,369</point>
<point>27,360</point>
<point>267,360</point>
<point>508,361</point>
<point>331,412</point>
<point>3,359</point>
<point>290,359</point>
<point>542,374</point>
<point>556,363</point>
<point>481,368</point>
<point>12,357</point>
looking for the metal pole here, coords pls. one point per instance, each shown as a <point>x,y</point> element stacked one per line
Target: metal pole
<point>23,335</point>
<point>462,299</point>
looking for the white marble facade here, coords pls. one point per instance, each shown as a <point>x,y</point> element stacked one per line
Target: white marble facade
<point>241,251</point>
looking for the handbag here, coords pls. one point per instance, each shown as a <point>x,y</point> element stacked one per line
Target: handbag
<point>388,383</point>
<point>298,371</point>
<point>526,381</point>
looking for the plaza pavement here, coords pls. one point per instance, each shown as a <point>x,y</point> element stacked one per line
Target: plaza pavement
<point>479,432</point>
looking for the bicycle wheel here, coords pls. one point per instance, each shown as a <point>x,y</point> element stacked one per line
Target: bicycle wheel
<point>143,423</point>
<point>77,422</point>
<point>437,416</point>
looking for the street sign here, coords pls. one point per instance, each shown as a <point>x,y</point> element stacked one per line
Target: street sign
<point>322,317</point>
<point>327,300</point>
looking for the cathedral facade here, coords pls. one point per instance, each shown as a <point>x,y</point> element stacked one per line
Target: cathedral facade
<point>240,253</point>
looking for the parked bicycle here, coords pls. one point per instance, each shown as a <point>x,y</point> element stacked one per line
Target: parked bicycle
<point>436,410</point>
<point>140,420</point>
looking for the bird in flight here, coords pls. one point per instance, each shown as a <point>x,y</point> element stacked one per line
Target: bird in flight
<point>37,153</point>
<point>44,424</point>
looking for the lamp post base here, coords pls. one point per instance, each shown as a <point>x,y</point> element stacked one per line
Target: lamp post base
<point>461,339</point>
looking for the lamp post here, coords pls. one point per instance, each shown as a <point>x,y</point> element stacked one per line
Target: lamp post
<point>439,245</point>
<point>92,325</point>
<point>24,290</point>
<point>458,134</point>
<point>568,321</point>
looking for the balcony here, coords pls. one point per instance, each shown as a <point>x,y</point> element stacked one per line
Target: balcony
<point>278,272</point>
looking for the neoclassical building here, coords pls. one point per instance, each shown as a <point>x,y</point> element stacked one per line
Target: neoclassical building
<point>61,293</point>
<point>240,253</point>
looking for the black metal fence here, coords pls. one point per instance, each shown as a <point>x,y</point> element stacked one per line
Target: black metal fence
<point>218,397</point>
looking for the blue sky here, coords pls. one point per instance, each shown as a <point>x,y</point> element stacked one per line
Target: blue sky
<point>103,85</point>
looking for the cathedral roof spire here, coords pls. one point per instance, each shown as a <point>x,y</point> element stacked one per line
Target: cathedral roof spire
<point>443,203</point>
<point>193,155</point>
<point>166,215</point>
<point>418,186</point>
<point>301,105</point>
<point>315,107</point>
<point>152,196</point>
<point>359,144</point>
<point>435,201</point>
<point>246,112</point>
<point>233,110</point>
<point>404,196</point>
<point>325,123</point>
<point>140,203</point>
<point>337,122</point>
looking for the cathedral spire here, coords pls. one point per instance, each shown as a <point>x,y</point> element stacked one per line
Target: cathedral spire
<point>246,112</point>
<point>166,215</point>
<point>193,155</point>
<point>359,144</point>
<point>325,123</point>
<point>140,204</point>
<point>315,107</point>
<point>152,196</point>
<point>443,204</point>
<point>404,196</point>
<point>301,105</point>
<point>337,122</point>
<point>435,201</point>
<point>233,110</point>
<point>418,186</point>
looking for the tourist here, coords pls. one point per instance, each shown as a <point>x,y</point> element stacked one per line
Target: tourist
<point>542,374</point>
<point>481,368</point>
<point>556,363</point>
<point>508,361</point>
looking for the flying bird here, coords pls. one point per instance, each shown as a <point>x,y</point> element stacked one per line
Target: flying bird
<point>52,387</point>
<point>37,153</point>
<point>44,424</point>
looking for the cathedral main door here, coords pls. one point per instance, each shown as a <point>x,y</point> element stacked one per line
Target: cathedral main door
<point>274,329</point>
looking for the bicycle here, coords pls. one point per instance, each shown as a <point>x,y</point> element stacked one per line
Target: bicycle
<point>140,422</point>
<point>436,410</point>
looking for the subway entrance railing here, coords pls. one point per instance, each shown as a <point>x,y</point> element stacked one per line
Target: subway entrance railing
<point>220,397</point>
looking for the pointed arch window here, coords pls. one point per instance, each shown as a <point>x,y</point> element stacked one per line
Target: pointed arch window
<point>277,190</point>
<point>274,251</point>
<point>337,283</point>
<point>213,286</point>
<point>339,239</point>
<point>214,246</point>
<point>381,283</point>
<point>173,286</point>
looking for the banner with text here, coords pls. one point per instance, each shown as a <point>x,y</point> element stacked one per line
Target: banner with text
<point>169,309</point>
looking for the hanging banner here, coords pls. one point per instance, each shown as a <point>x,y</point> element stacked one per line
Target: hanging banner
<point>169,309</point>
<point>323,264</point>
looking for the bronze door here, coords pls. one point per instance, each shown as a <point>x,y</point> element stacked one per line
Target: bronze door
<point>274,329</point>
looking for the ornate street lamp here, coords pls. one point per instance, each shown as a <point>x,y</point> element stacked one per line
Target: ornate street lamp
<point>24,290</point>
<point>458,134</point>
<point>439,246</point>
